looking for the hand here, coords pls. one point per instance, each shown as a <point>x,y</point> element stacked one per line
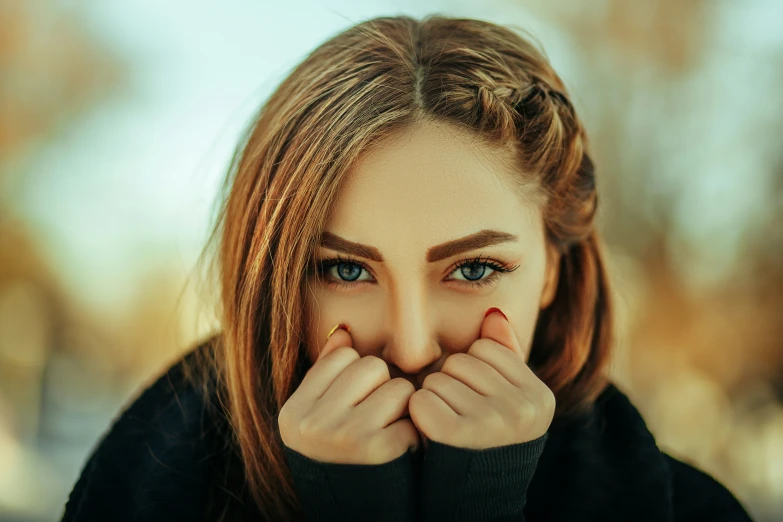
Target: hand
<point>486,397</point>
<point>347,409</point>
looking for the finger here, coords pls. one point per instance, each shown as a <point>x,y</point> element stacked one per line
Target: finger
<point>460,397</point>
<point>475,373</point>
<point>386,404</point>
<point>431,415</point>
<point>339,336</point>
<point>357,382</point>
<point>497,328</point>
<point>508,364</point>
<point>404,432</point>
<point>315,383</point>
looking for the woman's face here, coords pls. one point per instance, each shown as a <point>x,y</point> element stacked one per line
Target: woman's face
<point>402,294</point>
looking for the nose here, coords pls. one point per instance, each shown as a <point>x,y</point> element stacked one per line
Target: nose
<point>412,347</point>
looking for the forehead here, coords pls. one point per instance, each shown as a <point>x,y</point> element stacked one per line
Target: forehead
<point>431,183</point>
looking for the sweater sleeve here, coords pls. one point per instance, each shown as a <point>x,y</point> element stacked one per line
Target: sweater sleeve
<point>462,484</point>
<point>347,492</point>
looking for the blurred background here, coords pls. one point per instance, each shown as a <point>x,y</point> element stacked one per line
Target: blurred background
<point>118,119</point>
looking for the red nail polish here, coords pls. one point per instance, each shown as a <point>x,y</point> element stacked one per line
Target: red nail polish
<point>493,309</point>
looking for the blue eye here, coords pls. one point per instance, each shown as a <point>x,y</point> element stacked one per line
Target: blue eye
<point>349,270</point>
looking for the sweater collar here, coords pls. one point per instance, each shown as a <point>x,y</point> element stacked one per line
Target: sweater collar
<point>604,465</point>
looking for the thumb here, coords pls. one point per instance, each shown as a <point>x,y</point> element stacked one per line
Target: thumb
<point>339,336</point>
<point>497,328</point>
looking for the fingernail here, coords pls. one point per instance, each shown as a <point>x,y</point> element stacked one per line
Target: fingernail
<point>493,309</point>
<point>335,327</point>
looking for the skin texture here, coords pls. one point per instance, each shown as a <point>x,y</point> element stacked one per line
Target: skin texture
<point>431,184</point>
<point>423,321</point>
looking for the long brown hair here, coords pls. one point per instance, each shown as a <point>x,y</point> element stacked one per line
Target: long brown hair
<point>372,80</point>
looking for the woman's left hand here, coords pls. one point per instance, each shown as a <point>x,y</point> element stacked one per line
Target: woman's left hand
<point>484,398</point>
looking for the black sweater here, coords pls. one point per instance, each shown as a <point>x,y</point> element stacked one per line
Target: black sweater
<point>160,459</point>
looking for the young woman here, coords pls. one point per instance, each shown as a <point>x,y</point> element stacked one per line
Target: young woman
<point>415,313</point>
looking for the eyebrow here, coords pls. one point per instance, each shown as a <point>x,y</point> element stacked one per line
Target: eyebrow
<point>436,253</point>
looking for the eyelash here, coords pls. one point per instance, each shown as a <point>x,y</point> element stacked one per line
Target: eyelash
<point>498,267</point>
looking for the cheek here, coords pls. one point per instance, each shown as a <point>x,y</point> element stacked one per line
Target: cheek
<point>323,311</point>
<point>521,300</point>
<point>523,315</point>
<point>524,327</point>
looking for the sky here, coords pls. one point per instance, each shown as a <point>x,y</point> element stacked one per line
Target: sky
<point>135,176</point>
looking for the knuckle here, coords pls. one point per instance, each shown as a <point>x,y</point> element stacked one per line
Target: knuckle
<point>492,417</point>
<point>347,352</point>
<point>284,417</point>
<point>376,364</point>
<point>414,399</point>
<point>404,385</point>
<point>343,436</point>
<point>480,345</point>
<point>432,379</point>
<point>548,400</point>
<point>316,428</point>
<point>308,428</point>
<point>284,425</point>
<point>477,347</point>
<point>527,410</point>
<point>525,416</point>
<point>452,360</point>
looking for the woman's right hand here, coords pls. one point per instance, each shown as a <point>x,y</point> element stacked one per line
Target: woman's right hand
<point>348,410</point>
